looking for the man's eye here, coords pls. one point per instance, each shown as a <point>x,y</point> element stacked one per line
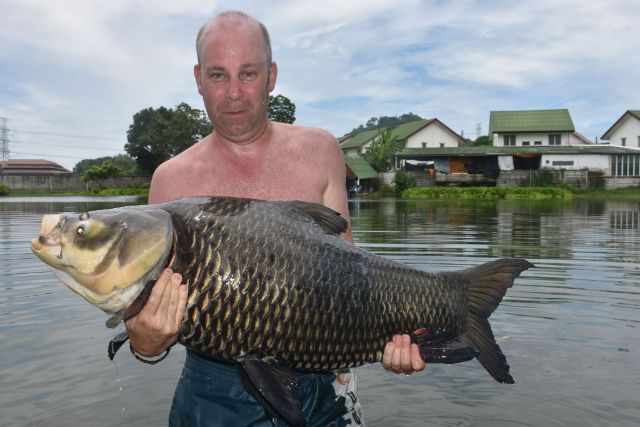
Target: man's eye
<point>249,75</point>
<point>216,76</point>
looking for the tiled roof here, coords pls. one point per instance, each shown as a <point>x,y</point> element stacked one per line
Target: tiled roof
<point>31,167</point>
<point>530,121</point>
<point>360,167</point>
<point>359,139</point>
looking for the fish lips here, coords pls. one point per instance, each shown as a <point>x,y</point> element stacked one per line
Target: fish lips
<point>48,241</point>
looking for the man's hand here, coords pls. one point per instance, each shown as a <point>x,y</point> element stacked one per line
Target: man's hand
<point>155,328</point>
<point>401,356</point>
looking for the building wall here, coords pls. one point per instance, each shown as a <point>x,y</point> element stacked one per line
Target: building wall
<point>629,129</point>
<point>594,162</point>
<point>498,140</point>
<point>433,135</point>
<point>352,152</point>
<point>70,182</point>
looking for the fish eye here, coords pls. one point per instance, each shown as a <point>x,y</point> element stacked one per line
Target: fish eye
<point>80,230</point>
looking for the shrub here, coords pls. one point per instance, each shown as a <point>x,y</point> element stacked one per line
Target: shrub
<point>402,180</point>
<point>4,189</point>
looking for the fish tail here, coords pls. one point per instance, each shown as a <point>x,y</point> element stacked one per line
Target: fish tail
<point>488,284</point>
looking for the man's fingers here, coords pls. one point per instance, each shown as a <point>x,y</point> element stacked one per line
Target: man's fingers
<point>182,305</point>
<point>405,355</point>
<point>153,303</point>
<point>416,359</point>
<point>387,355</point>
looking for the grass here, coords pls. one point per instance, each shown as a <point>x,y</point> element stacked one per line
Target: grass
<point>492,193</point>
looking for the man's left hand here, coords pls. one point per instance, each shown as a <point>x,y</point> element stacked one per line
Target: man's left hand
<point>401,356</point>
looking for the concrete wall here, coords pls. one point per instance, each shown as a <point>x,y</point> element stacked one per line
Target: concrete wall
<point>599,162</point>
<point>576,178</point>
<point>70,182</point>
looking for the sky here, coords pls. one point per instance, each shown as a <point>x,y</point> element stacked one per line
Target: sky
<point>73,73</point>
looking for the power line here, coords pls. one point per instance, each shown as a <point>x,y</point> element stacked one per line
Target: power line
<point>61,134</point>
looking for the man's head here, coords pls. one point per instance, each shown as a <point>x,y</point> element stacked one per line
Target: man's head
<point>235,74</point>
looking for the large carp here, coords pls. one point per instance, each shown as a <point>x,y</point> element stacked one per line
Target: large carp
<point>273,287</point>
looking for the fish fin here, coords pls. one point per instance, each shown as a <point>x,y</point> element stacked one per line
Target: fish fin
<point>113,321</point>
<point>442,347</point>
<point>275,387</point>
<point>115,344</point>
<point>488,284</point>
<point>328,219</point>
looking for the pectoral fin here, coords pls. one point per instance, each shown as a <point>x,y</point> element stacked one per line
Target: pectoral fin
<point>275,387</point>
<point>116,342</point>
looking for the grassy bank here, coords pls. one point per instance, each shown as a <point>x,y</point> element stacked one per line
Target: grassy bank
<point>492,193</point>
<point>102,192</point>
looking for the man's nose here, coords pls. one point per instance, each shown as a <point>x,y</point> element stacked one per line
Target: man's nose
<point>234,90</point>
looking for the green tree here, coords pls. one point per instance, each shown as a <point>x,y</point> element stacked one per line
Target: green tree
<point>386,122</point>
<point>281,109</point>
<point>156,135</point>
<point>125,162</point>
<point>483,140</point>
<point>102,172</point>
<point>380,154</point>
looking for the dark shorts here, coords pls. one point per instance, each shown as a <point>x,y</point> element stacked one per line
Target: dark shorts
<point>210,393</point>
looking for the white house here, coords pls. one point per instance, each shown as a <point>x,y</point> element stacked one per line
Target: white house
<point>626,131</point>
<point>430,133</point>
<point>530,128</point>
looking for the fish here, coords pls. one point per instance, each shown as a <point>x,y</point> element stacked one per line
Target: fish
<point>273,288</point>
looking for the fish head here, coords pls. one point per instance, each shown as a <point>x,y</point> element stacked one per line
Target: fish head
<point>106,256</point>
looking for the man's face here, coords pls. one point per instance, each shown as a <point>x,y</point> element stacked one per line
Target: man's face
<point>234,80</point>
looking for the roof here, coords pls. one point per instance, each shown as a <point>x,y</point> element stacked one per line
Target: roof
<point>632,113</point>
<point>360,139</point>
<point>360,167</point>
<point>501,151</point>
<point>31,167</point>
<point>405,130</point>
<point>530,121</point>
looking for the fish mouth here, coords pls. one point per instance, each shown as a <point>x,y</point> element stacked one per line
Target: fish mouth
<point>48,239</point>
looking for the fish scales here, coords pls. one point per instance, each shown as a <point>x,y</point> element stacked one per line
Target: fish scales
<point>320,303</point>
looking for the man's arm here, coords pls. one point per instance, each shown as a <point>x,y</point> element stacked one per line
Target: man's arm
<point>400,355</point>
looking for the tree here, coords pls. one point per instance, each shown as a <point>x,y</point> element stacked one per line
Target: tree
<point>281,109</point>
<point>380,154</point>
<point>126,163</point>
<point>102,172</point>
<point>482,141</point>
<point>386,122</point>
<point>156,135</point>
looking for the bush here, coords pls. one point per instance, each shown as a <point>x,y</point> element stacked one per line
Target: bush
<point>487,193</point>
<point>402,180</point>
<point>4,189</point>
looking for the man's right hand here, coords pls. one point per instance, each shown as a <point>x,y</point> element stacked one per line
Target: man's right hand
<point>155,328</point>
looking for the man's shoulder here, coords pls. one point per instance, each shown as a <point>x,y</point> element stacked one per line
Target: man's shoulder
<point>298,134</point>
<point>182,161</point>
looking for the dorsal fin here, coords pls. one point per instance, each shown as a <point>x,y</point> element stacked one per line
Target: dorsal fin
<point>328,219</point>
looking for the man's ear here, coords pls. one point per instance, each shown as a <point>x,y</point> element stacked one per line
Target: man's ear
<point>273,75</point>
<point>196,74</point>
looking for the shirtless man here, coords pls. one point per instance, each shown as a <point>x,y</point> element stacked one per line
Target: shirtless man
<point>247,156</point>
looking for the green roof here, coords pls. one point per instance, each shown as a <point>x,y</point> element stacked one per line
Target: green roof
<point>530,121</point>
<point>359,139</point>
<point>405,130</point>
<point>635,113</point>
<point>497,151</point>
<point>360,167</point>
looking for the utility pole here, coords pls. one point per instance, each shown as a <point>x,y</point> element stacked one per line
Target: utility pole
<point>4,138</point>
<point>478,130</point>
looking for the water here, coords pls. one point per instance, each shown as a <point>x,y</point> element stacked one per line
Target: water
<point>569,328</point>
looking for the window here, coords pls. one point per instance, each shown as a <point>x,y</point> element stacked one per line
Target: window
<point>623,141</point>
<point>555,138</point>
<point>562,163</point>
<point>442,145</point>
<point>525,143</point>
<point>537,142</point>
<point>509,140</point>
<point>625,165</point>
<point>424,145</point>
<point>638,140</point>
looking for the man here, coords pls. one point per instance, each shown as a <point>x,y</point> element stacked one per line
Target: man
<point>247,156</point>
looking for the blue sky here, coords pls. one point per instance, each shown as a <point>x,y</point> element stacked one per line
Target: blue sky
<point>73,73</point>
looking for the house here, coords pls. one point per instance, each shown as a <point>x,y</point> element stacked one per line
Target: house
<point>427,133</point>
<point>431,133</point>
<point>625,132</point>
<point>534,128</point>
<point>15,167</point>
<point>361,177</point>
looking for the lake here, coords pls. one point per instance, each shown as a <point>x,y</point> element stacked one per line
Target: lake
<point>570,328</point>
